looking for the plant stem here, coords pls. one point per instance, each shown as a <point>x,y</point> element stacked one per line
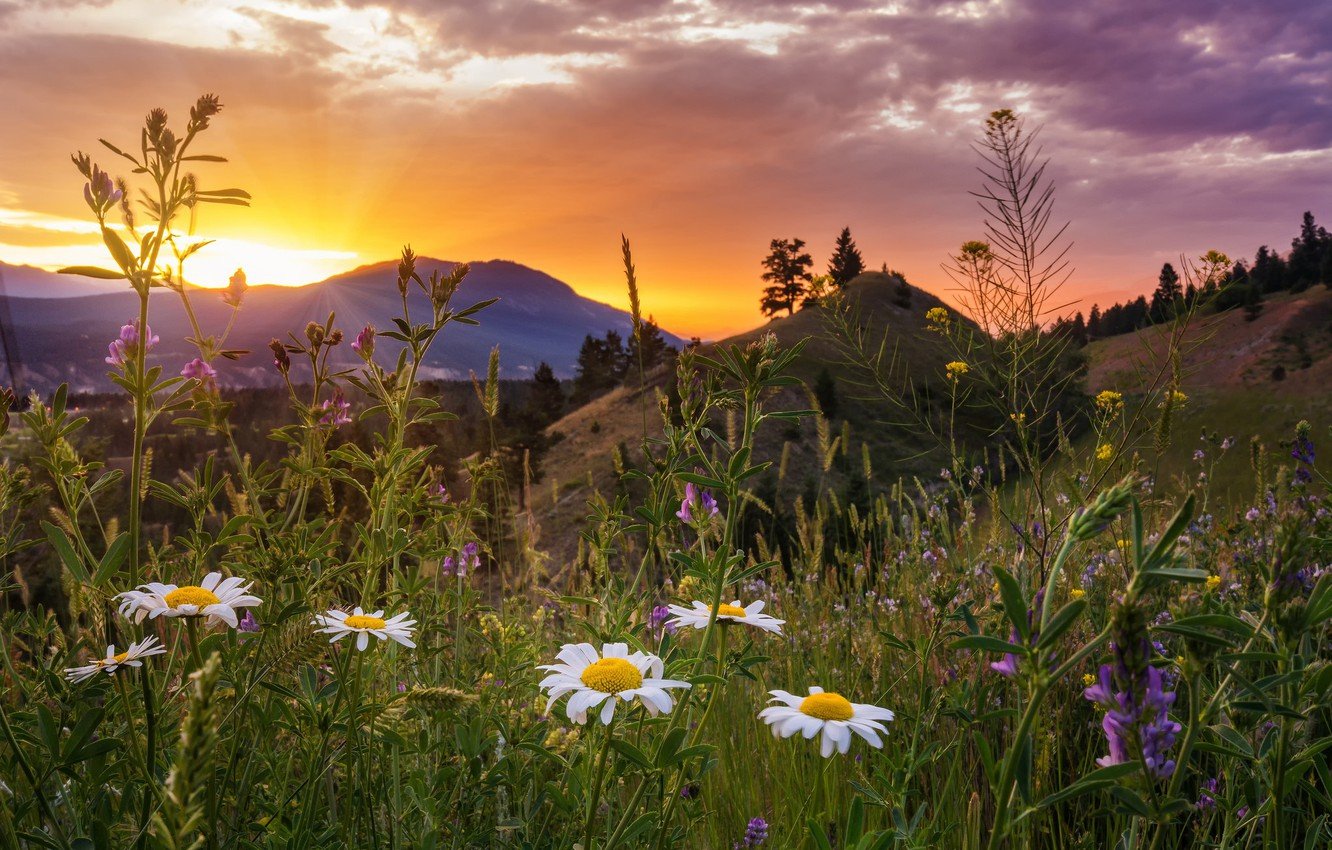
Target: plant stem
<point>594,799</point>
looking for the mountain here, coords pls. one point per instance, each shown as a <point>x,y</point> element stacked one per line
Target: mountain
<point>32,282</point>
<point>536,318</point>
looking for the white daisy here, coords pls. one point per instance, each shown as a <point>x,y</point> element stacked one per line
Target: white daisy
<point>215,598</point>
<point>750,615</point>
<point>363,625</point>
<point>829,713</point>
<point>115,660</point>
<point>615,672</point>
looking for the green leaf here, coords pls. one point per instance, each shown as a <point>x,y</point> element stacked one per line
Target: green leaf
<point>1060,622</point>
<point>1015,606</point>
<point>93,271</point>
<point>111,561</point>
<point>986,643</point>
<point>634,754</point>
<point>1094,781</point>
<point>57,537</point>
<point>820,837</point>
<point>120,252</point>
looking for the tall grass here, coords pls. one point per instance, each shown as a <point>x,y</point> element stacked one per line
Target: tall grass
<point>1001,626</point>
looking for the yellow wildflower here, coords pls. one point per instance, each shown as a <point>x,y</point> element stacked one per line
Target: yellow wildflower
<point>956,369</point>
<point>1088,679</point>
<point>1104,452</point>
<point>1213,582</point>
<point>937,319</point>
<point>1175,399</point>
<point>1109,401</point>
<point>491,626</point>
<point>1077,593</point>
<point>687,588</point>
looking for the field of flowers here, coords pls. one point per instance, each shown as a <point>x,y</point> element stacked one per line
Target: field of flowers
<point>1059,652</point>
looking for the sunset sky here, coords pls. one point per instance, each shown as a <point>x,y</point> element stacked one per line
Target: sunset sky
<point>538,130</point>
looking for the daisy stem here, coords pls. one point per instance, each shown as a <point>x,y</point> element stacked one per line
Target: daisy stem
<point>192,625</point>
<point>150,761</point>
<point>715,689</point>
<point>594,800</point>
<point>133,734</point>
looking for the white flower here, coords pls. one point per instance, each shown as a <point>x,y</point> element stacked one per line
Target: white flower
<point>215,598</point>
<point>592,677</point>
<point>115,660</point>
<point>750,615</point>
<point>363,625</point>
<point>829,713</point>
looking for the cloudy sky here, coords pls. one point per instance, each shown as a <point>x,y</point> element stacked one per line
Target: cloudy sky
<point>538,130</point>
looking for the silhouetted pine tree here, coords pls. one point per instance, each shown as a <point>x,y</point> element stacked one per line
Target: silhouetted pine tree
<point>545,399</point>
<point>1168,295</point>
<point>787,274</point>
<point>846,262</point>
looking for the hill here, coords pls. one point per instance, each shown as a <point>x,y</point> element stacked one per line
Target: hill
<point>1243,378</point>
<point>537,318</point>
<point>582,462</point>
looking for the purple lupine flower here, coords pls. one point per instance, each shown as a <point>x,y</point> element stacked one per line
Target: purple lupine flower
<point>364,344</point>
<point>1303,450</point>
<point>1008,666</point>
<point>236,286</point>
<point>657,621</point>
<point>756,832</point>
<point>100,191</point>
<point>1134,695</point>
<point>197,369</point>
<point>449,566</point>
<point>280,358</point>
<point>1207,796</point>
<point>469,558</point>
<point>442,494</point>
<point>1252,514</point>
<point>248,623</point>
<point>125,348</point>
<point>694,499</point>
<point>690,791</point>
<point>337,410</point>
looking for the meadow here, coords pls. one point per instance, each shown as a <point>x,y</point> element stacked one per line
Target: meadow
<point>1047,643</point>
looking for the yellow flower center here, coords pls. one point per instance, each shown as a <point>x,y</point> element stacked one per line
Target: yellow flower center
<point>730,611</point>
<point>612,675</point>
<point>118,658</point>
<point>827,706</point>
<point>191,595</point>
<point>362,621</point>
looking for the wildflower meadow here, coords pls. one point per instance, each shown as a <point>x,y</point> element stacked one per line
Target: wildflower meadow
<point>1051,641</point>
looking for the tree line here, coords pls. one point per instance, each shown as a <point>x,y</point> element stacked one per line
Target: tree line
<point>1308,263</point>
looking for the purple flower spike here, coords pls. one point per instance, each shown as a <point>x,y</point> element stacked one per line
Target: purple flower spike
<point>125,348</point>
<point>199,370</point>
<point>696,500</point>
<point>756,832</point>
<point>1137,704</point>
<point>364,344</point>
<point>337,410</point>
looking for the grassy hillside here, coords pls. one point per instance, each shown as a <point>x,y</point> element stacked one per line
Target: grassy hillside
<point>582,463</point>
<point>1243,378</point>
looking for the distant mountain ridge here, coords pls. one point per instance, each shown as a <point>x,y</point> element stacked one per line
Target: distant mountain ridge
<point>537,318</point>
